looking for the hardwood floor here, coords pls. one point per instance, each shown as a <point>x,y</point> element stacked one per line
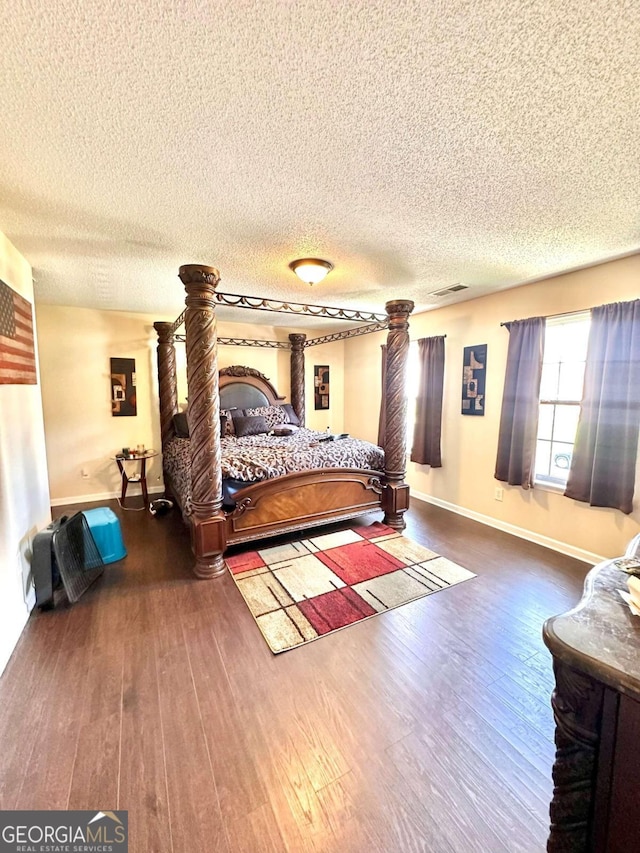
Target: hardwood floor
<point>427,728</point>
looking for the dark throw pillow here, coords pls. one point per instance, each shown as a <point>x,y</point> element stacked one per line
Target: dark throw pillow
<point>181,425</point>
<point>291,414</point>
<point>250,425</point>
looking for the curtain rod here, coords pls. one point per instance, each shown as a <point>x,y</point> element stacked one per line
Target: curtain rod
<point>432,336</point>
<point>549,316</point>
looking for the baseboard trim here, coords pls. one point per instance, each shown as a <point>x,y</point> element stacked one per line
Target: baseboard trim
<point>100,496</point>
<point>520,532</point>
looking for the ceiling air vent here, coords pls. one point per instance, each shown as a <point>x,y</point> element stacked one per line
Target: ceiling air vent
<point>453,289</point>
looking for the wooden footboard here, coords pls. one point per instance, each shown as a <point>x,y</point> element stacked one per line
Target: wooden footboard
<point>302,500</point>
<point>293,502</point>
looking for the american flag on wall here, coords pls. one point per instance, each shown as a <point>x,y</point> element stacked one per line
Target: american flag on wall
<point>17,354</point>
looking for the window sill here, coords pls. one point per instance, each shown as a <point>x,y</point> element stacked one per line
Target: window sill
<point>544,486</point>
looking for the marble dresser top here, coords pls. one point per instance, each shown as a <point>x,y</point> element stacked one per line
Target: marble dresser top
<point>600,636</point>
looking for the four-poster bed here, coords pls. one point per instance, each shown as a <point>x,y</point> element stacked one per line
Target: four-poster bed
<point>297,500</point>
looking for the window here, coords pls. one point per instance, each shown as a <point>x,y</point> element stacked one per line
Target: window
<point>565,352</point>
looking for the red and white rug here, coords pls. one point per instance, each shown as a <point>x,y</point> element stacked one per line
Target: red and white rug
<point>303,590</point>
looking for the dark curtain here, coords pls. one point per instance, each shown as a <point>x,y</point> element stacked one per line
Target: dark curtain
<point>382,420</point>
<point>515,463</point>
<point>603,466</point>
<point>427,429</point>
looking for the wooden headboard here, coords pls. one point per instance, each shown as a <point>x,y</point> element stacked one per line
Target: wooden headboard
<point>245,387</point>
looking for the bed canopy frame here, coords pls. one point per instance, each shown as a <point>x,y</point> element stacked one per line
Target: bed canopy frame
<point>296,501</point>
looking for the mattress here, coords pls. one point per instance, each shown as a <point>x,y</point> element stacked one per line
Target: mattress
<point>253,458</point>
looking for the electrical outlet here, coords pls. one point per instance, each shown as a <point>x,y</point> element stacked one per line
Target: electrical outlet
<point>499,493</point>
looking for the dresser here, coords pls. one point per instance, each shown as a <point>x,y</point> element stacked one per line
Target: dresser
<point>596,705</point>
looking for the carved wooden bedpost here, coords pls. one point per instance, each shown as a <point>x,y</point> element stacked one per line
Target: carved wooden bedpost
<point>167,380</point>
<point>396,493</point>
<point>297,375</point>
<point>577,705</point>
<point>207,520</point>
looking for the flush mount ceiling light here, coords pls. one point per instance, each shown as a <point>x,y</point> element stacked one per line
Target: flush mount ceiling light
<point>311,270</point>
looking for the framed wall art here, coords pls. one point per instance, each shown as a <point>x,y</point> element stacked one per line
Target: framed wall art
<point>123,388</point>
<point>474,376</point>
<point>321,386</point>
<point>17,351</point>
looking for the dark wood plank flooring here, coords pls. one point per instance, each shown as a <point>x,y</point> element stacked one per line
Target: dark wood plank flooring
<point>427,728</point>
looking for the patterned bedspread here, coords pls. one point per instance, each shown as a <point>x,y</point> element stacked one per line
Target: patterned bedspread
<point>262,457</point>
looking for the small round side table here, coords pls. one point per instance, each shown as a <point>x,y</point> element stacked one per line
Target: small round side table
<point>139,477</point>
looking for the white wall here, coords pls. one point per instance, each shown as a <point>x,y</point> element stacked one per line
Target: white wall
<point>333,355</point>
<point>24,489</point>
<point>75,346</point>
<point>466,482</point>
<point>273,363</point>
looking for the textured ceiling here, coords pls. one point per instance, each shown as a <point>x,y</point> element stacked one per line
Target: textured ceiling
<point>413,144</point>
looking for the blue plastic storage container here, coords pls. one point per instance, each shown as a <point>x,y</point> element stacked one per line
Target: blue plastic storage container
<point>105,529</point>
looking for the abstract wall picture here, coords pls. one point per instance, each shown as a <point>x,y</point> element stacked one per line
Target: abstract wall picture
<point>123,387</point>
<point>474,376</point>
<point>17,352</point>
<point>321,386</point>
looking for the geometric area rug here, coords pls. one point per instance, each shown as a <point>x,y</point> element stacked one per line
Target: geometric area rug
<point>303,590</point>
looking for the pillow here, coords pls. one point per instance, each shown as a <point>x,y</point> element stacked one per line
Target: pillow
<point>228,427</point>
<point>181,425</point>
<point>291,414</point>
<point>250,425</point>
<point>284,429</point>
<point>273,415</point>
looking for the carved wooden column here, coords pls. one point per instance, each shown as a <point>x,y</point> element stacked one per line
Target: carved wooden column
<point>577,705</point>
<point>396,493</point>
<point>297,375</point>
<point>167,380</point>
<point>207,520</point>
